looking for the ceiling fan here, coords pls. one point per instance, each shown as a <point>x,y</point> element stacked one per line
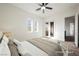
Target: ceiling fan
<point>43,6</point>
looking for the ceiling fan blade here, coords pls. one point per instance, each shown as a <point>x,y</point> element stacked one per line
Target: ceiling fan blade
<point>46,4</point>
<point>40,5</point>
<point>48,8</point>
<point>38,9</point>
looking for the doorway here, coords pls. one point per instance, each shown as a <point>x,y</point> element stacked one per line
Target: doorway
<point>49,29</point>
<point>70,29</point>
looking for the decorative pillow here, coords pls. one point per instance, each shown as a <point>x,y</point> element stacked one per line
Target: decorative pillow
<point>13,48</point>
<point>5,39</point>
<point>1,37</point>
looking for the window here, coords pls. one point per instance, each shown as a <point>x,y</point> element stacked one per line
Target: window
<point>30,25</point>
<point>36,26</point>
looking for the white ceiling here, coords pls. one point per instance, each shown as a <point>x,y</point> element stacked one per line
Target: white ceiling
<point>57,7</point>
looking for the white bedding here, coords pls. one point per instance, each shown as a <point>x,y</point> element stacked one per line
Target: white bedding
<point>27,49</point>
<point>30,49</point>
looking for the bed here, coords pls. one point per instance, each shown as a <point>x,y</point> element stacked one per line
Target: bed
<point>32,47</point>
<point>38,47</point>
<point>7,47</point>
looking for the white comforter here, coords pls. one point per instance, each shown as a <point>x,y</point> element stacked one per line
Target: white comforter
<point>27,49</point>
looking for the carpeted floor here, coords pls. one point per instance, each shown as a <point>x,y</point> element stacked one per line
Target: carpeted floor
<point>73,50</point>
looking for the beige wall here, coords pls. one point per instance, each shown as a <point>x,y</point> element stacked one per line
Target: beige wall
<point>13,19</point>
<point>59,23</point>
<point>76,26</point>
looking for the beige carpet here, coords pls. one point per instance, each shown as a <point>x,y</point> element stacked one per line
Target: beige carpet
<point>74,51</point>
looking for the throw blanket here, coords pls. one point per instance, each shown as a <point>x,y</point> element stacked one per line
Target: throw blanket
<point>50,48</point>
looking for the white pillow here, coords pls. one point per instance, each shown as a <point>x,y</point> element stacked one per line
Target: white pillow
<point>16,42</point>
<point>4,49</point>
<point>5,39</point>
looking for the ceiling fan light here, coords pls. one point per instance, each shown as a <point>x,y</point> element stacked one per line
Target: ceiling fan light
<point>43,8</point>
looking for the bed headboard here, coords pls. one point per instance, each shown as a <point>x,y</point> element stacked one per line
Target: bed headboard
<point>8,34</point>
